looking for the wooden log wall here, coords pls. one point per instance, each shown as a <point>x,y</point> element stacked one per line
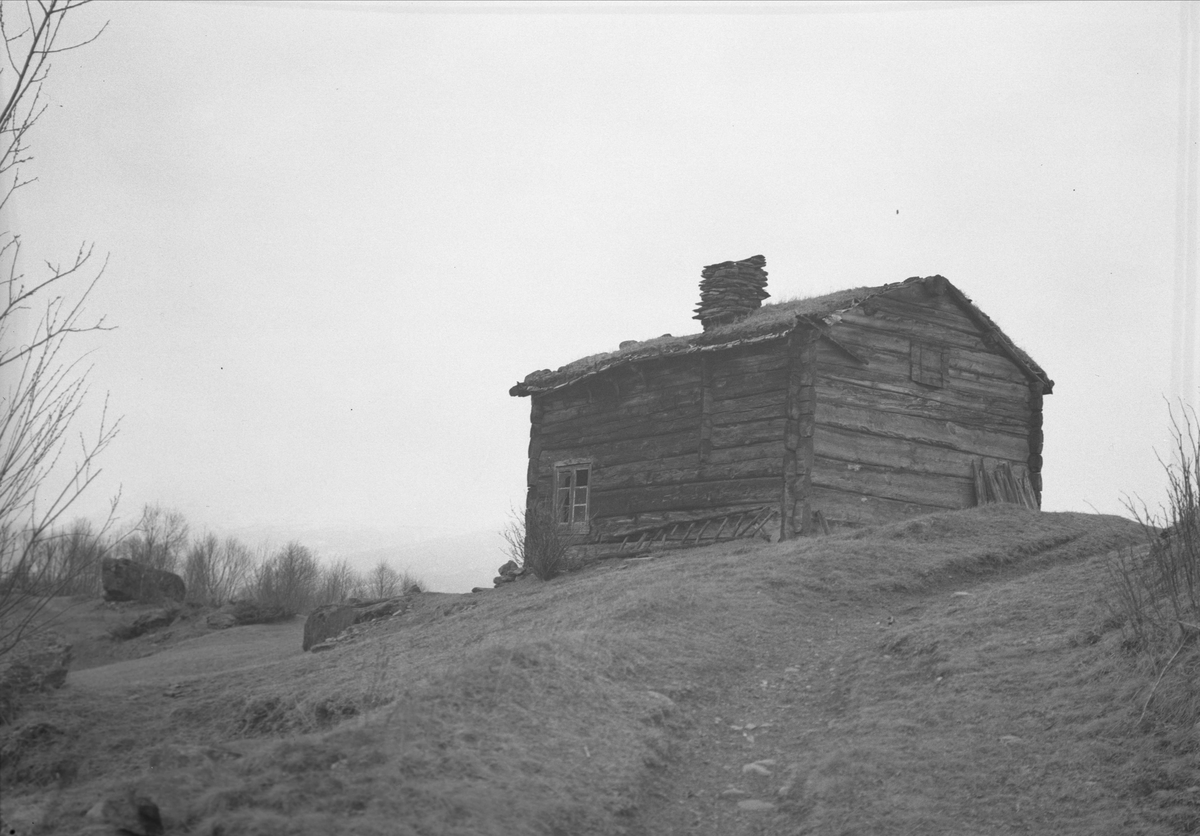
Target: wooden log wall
<point>885,446</point>
<point>532,474</point>
<point>796,508</point>
<point>669,439</point>
<point>1036,391</point>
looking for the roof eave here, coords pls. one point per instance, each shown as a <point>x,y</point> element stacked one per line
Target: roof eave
<point>524,389</point>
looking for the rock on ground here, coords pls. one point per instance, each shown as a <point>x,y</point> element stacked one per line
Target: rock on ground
<point>331,620</point>
<point>146,623</point>
<point>126,580</point>
<point>129,813</point>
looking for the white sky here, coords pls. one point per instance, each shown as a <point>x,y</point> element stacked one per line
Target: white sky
<point>340,232</point>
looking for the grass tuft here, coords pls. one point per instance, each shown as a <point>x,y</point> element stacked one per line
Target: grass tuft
<point>1154,588</point>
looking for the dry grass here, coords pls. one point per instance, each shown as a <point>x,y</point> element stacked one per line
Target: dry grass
<point>564,707</point>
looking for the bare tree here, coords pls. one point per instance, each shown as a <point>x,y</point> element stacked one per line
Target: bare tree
<point>289,579</point>
<point>383,580</point>
<point>159,539</point>
<point>213,569</point>
<point>338,582</point>
<point>42,389</point>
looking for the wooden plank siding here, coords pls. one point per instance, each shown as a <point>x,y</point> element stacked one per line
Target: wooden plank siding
<point>668,439</point>
<point>800,409</point>
<point>886,447</point>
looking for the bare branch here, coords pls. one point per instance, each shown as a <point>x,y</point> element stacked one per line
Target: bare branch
<point>46,464</point>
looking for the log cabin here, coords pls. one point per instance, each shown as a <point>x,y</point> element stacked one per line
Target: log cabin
<point>857,407</point>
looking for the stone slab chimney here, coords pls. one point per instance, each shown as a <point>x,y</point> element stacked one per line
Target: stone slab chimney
<point>731,290</point>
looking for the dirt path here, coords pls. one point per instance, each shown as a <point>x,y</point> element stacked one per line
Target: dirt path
<point>234,649</point>
<point>738,766</point>
<point>954,711</point>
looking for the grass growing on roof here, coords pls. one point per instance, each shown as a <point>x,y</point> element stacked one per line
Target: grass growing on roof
<point>769,319</point>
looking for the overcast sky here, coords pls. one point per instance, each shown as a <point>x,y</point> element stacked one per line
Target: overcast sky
<point>340,232</point>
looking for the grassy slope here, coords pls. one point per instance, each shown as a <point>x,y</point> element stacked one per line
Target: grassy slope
<point>602,702</point>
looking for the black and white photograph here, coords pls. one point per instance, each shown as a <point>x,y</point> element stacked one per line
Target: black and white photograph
<point>623,417</point>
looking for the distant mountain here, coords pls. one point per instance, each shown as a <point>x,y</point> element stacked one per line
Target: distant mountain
<point>446,564</point>
<point>453,563</point>
<point>328,540</point>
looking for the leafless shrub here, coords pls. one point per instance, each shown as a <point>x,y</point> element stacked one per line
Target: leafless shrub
<point>1154,590</point>
<point>159,540</point>
<point>410,582</point>
<point>537,542</point>
<point>385,582</point>
<point>339,582</point>
<point>61,562</point>
<point>288,579</point>
<point>214,569</point>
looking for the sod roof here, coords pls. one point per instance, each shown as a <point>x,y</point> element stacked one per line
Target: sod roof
<point>771,321</point>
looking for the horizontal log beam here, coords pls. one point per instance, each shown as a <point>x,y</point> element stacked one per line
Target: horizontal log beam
<point>692,496</point>
<point>937,490</point>
<point>844,508</point>
<point>937,404</point>
<point>953,436</point>
<point>749,432</point>
<point>643,474</point>
<point>621,525</point>
<point>847,447</point>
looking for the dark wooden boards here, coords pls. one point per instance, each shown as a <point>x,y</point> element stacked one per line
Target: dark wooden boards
<point>683,435</point>
<point>887,445</point>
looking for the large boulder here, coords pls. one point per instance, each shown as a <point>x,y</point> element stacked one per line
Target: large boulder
<point>325,624</point>
<point>127,580</point>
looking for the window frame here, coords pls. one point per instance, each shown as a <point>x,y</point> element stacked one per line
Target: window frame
<point>578,516</point>
<point>928,364</point>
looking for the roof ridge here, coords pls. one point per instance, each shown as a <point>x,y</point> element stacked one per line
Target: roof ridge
<point>769,322</point>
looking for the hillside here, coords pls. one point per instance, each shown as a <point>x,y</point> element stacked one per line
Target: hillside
<point>952,674</point>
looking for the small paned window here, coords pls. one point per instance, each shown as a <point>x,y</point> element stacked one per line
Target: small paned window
<point>928,364</point>
<point>572,489</point>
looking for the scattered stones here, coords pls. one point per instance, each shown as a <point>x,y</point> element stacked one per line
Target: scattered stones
<point>145,623</point>
<point>130,813</point>
<point>509,572</point>
<point>126,580</point>
<point>789,784</point>
<point>221,620</point>
<point>326,625</point>
<point>663,708</point>
<point>180,756</point>
<point>730,290</point>
<point>754,805</point>
<point>252,612</point>
<point>241,612</point>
